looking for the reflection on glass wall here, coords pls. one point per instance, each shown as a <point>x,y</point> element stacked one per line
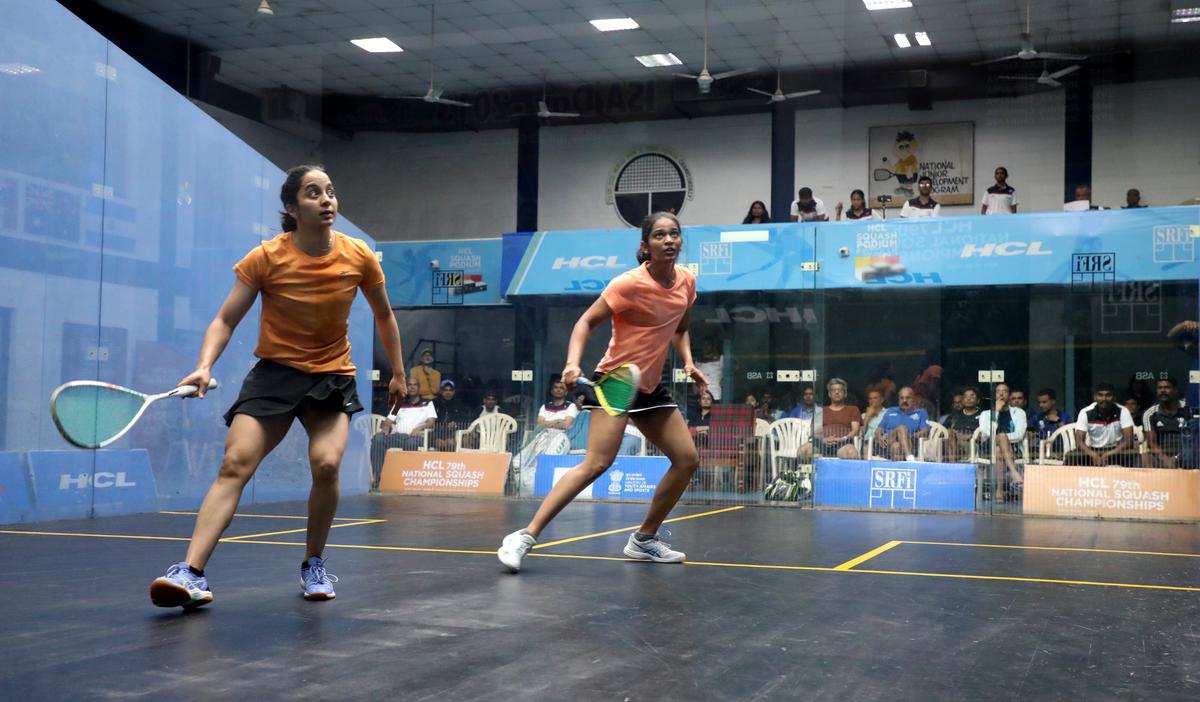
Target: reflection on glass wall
<point>122,210</point>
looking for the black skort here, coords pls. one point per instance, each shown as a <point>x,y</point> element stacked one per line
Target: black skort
<point>272,389</point>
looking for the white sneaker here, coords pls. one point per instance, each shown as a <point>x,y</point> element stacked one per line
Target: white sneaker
<point>654,549</point>
<point>910,458</point>
<point>513,549</point>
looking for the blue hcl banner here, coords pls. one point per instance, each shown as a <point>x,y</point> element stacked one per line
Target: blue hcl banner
<point>461,272</point>
<point>629,478</point>
<point>70,484</point>
<point>947,487</point>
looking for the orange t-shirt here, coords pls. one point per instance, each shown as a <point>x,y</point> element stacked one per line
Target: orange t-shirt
<point>306,300</point>
<point>645,317</point>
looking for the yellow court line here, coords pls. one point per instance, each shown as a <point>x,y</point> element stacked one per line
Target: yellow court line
<point>1054,548</point>
<point>868,555</point>
<point>271,516</point>
<point>305,529</point>
<point>758,566</point>
<point>634,527</point>
<point>1008,578</point>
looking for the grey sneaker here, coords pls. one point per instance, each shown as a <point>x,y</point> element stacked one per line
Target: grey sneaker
<point>654,549</point>
<point>180,587</point>
<point>513,549</point>
<point>317,582</point>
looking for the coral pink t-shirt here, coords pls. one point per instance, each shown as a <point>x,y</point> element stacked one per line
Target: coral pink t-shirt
<point>645,317</point>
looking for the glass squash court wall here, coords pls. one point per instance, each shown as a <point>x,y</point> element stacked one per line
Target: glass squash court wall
<point>122,209</point>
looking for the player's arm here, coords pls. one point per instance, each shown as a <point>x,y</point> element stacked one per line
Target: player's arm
<point>595,315</point>
<point>220,329</point>
<point>389,333</point>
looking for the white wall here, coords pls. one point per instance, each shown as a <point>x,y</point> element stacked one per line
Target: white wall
<point>1025,134</point>
<point>283,149</point>
<point>1146,136</point>
<point>729,159</point>
<point>400,186</point>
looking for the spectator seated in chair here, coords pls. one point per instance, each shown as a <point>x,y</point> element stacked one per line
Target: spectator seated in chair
<point>452,415</point>
<point>835,426</point>
<point>1166,426</point>
<point>1004,424</point>
<point>961,425</point>
<point>1103,433</point>
<point>411,419</point>
<point>901,428</point>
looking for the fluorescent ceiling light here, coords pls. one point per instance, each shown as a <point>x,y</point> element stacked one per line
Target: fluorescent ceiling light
<point>922,38</point>
<point>874,5</point>
<point>377,45</point>
<point>18,69</point>
<point>656,60</point>
<point>902,40</point>
<point>616,24</point>
<point>1185,14</point>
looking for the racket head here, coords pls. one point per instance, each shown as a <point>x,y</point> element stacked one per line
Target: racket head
<point>92,414</point>
<point>617,389</point>
<point>882,174</point>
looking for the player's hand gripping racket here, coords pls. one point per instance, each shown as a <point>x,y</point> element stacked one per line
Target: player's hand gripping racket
<point>616,389</point>
<point>92,414</point>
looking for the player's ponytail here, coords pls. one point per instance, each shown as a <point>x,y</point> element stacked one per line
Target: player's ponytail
<point>289,194</point>
<point>643,253</point>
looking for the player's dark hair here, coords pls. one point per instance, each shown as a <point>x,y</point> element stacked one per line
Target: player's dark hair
<point>648,223</point>
<point>289,193</point>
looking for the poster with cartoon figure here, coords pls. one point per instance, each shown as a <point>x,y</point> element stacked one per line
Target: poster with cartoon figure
<point>899,155</point>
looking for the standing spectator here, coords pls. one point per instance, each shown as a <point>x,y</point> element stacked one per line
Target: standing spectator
<point>858,207</point>
<point>1165,425</point>
<point>402,429</point>
<point>757,214</point>
<point>1047,419</point>
<point>901,427</point>
<point>429,379</point>
<point>1133,200</point>
<point>1103,433</point>
<point>1001,198</point>
<point>1016,398</point>
<point>923,205</point>
<point>1007,423</point>
<point>452,415</point>
<point>806,208</point>
<point>836,426</point>
<point>962,424</point>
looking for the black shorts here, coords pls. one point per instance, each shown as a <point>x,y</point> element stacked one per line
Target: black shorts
<point>658,398</point>
<point>272,389</point>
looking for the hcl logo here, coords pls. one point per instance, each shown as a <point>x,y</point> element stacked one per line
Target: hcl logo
<point>587,262</point>
<point>913,278</point>
<point>101,480</point>
<point>1008,248</point>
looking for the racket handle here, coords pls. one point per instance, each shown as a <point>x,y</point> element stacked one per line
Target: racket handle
<point>189,390</point>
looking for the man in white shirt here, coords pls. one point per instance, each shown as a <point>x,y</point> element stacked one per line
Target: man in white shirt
<point>402,429</point>
<point>806,208</point>
<point>923,205</point>
<point>1104,433</point>
<point>1001,198</point>
<point>1082,201</point>
<point>1009,432</point>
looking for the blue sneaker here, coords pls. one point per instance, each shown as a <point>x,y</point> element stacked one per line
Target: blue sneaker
<point>316,581</point>
<point>180,587</point>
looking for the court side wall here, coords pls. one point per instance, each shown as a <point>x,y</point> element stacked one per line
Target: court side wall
<point>1146,136</point>
<point>1023,134</point>
<point>120,220</point>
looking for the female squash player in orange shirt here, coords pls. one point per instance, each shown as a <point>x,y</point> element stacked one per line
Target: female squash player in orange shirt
<point>308,277</point>
<point>650,307</point>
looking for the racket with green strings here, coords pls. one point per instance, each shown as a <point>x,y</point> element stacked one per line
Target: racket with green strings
<point>616,389</point>
<point>92,414</point>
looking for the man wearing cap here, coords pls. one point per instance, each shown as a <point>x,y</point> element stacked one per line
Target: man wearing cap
<point>428,378</point>
<point>452,415</point>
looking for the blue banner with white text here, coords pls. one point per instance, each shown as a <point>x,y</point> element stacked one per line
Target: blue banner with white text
<point>943,487</point>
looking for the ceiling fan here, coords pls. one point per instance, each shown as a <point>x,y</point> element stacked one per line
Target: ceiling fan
<point>544,109</point>
<point>705,80</point>
<point>779,95</point>
<point>1027,52</point>
<point>1046,78</point>
<point>434,94</point>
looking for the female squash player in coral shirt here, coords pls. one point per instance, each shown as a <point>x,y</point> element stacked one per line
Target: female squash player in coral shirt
<point>308,277</point>
<point>650,307</point>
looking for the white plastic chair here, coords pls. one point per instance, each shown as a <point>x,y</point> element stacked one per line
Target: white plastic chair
<point>377,421</point>
<point>785,437</point>
<point>762,431</point>
<point>931,447</point>
<point>1065,433</point>
<point>977,455</point>
<point>494,430</point>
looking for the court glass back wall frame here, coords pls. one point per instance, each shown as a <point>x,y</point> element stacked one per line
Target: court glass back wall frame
<point>120,219</point>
